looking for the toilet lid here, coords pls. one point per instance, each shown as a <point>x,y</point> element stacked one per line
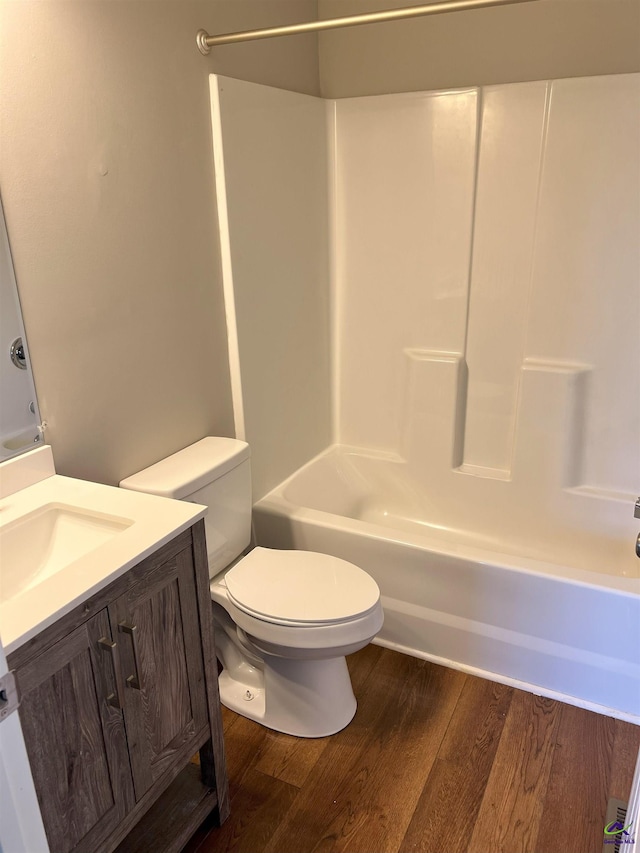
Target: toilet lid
<point>300,587</point>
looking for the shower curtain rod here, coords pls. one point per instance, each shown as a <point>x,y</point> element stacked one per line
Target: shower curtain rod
<point>205,42</point>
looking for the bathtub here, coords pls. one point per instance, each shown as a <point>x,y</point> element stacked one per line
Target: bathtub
<point>536,612</point>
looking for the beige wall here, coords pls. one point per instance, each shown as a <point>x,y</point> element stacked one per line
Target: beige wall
<point>531,41</point>
<point>106,177</point>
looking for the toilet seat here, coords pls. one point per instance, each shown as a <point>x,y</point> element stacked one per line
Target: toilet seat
<point>300,588</point>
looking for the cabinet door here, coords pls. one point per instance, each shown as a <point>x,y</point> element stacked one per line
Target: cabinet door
<point>165,696</point>
<point>75,737</point>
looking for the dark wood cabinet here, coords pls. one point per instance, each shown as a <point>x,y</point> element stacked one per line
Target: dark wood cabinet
<point>76,741</point>
<point>116,698</point>
<point>165,700</point>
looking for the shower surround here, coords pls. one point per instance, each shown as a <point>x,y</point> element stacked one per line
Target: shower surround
<point>482,387</point>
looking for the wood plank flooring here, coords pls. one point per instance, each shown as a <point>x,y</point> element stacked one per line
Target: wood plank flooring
<point>435,761</point>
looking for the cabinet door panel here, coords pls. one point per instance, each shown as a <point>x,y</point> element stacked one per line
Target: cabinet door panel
<point>75,739</point>
<point>165,697</point>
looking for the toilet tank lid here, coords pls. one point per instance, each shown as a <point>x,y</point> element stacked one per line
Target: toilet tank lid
<point>190,469</point>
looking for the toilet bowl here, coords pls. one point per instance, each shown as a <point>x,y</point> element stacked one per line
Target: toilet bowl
<point>285,620</point>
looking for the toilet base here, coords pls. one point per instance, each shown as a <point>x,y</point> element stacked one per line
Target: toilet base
<point>311,698</point>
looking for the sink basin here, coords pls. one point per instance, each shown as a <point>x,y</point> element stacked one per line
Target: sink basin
<point>43,542</point>
<point>62,540</point>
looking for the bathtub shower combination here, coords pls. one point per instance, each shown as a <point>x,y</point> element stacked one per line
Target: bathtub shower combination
<point>476,601</point>
<point>433,302</point>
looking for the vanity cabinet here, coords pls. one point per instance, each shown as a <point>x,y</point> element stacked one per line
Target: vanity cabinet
<point>75,739</point>
<point>116,697</point>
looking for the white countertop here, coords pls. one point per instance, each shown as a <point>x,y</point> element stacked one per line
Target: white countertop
<point>154,521</point>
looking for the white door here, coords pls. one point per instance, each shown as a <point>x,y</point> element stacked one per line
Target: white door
<point>21,829</point>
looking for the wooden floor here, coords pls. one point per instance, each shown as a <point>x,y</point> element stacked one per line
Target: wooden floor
<point>435,761</point>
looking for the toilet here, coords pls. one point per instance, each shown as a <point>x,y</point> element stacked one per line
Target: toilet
<point>284,619</point>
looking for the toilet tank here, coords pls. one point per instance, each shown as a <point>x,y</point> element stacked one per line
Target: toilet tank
<point>215,472</point>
